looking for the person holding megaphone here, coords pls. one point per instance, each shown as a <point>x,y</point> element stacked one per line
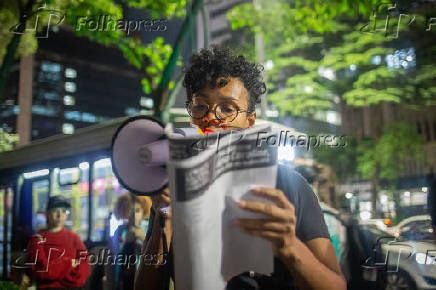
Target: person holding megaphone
<point>222,91</point>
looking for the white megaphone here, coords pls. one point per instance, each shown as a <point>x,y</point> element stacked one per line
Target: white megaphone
<point>140,152</point>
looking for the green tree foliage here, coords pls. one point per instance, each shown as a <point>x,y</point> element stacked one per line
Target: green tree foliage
<point>7,285</point>
<point>398,144</point>
<point>385,158</point>
<point>324,56</point>
<point>308,37</point>
<point>342,160</point>
<point>7,141</point>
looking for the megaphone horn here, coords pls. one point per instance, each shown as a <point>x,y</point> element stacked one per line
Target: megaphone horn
<point>139,155</point>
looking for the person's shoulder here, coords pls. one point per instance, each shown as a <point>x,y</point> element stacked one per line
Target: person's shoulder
<point>70,234</point>
<point>288,177</point>
<point>290,172</point>
<point>42,232</point>
<point>294,185</point>
<point>38,237</point>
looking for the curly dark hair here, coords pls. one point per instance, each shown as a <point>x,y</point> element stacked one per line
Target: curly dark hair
<point>125,202</point>
<point>219,62</point>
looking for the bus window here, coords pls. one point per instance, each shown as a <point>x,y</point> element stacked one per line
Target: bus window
<point>40,192</point>
<point>5,213</point>
<point>106,190</point>
<point>77,193</point>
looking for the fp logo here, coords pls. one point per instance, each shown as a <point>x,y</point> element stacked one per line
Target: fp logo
<point>390,30</point>
<point>55,18</point>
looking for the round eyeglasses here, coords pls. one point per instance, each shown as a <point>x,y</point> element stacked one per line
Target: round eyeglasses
<point>223,112</point>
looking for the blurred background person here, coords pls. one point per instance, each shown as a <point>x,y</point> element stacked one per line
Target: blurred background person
<point>134,212</point>
<point>57,255</point>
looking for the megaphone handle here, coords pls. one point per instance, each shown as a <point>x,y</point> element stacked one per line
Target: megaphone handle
<point>166,274</point>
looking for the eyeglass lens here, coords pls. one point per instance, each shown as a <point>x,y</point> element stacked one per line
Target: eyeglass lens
<point>223,111</point>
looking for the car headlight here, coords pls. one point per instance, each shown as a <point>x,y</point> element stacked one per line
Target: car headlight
<point>424,259</point>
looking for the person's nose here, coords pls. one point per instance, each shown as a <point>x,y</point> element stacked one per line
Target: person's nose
<point>210,118</point>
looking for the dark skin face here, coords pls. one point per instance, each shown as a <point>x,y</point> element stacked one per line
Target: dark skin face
<point>235,94</point>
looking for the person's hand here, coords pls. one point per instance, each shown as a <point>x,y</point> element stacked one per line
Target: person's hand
<point>137,233</point>
<point>74,263</point>
<point>279,228</point>
<point>25,282</point>
<point>162,198</point>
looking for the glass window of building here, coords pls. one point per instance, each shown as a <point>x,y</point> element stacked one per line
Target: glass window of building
<point>67,128</point>
<point>69,100</point>
<point>70,87</point>
<point>70,73</point>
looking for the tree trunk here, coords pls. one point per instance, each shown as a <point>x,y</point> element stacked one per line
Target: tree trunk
<point>12,47</point>
<point>7,63</point>
<point>25,98</point>
<point>367,118</point>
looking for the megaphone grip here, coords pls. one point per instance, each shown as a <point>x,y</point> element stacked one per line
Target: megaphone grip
<point>155,153</point>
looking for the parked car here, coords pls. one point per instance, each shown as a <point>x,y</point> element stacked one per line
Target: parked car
<point>380,224</point>
<point>411,257</point>
<point>411,222</point>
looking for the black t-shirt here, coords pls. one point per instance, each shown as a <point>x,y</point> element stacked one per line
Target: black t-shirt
<point>310,225</point>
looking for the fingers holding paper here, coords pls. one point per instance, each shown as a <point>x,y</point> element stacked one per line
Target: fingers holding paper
<point>279,227</point>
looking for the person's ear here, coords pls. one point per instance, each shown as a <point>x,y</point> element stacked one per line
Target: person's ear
<point>251,119</point>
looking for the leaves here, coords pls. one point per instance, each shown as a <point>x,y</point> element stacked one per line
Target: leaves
<point>7,141</point>
<point>320,50</point>
<point>146,86</point>
<point>398,144</point>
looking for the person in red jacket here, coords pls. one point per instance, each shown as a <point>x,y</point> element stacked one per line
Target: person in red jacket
<point>57,256</point>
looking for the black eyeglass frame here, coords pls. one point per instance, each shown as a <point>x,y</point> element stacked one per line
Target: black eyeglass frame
<point>188,105</point>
